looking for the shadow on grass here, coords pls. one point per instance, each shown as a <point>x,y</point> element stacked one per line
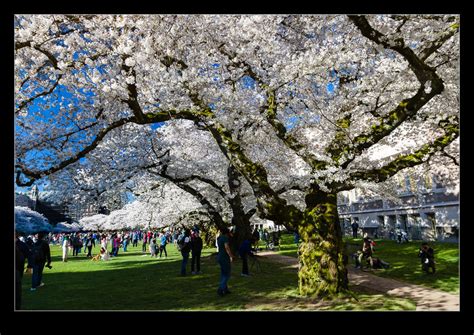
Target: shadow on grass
<point>135,285</point>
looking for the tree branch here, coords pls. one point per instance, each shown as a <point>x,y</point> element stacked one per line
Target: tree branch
<point>421,155</point>
<point>407,108</point>
<point>35,175</point>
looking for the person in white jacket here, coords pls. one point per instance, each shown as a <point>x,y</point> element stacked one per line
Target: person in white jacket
<point>66,245</point>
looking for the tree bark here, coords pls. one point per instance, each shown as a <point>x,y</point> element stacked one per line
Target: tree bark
<point>322,271</point>
<point>240,220</point>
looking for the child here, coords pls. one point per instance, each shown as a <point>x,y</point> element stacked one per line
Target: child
<point>427,258</point>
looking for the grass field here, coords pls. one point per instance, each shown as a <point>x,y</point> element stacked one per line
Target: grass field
<point>404,261</point>
<point>135,281</point>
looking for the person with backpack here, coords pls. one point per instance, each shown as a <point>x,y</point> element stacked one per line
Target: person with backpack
<point>184,245</point>
<point>196,248</point>
<point>41,255</point>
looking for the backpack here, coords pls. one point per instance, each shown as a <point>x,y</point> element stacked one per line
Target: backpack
<point>37,253</point>
<point>182,246</point>
<point>180,243</point>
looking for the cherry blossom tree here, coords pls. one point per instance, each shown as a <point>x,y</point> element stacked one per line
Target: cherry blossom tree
<point>298,104</point>
<point>192,163</point>
<point>28,221</point>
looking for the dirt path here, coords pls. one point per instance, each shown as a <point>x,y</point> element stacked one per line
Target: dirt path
<point>426,299</point>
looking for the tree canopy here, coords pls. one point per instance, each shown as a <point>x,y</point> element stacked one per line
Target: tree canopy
<point>301,106</point>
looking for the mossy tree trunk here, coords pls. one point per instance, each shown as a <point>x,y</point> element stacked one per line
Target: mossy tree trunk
<point>322,258</point>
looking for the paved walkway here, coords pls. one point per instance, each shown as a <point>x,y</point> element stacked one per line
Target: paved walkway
<point>427,299</point>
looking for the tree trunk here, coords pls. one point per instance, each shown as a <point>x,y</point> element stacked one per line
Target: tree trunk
<point>242,231</point>
<point>322,257</point>
<point>240,220</point>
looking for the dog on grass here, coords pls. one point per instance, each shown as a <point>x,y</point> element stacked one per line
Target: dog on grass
<point>95,258</point>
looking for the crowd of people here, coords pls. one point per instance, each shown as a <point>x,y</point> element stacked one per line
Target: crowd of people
<point>35,251</point>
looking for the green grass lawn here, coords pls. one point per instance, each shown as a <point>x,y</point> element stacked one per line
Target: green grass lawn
<point>404,261</point>
<point>135,281</point>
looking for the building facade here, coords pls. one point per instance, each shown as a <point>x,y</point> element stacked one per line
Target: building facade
<point>425,210</point>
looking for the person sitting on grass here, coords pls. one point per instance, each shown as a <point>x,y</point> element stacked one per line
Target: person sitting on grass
<point>426,254</point>
<point>367,251</point>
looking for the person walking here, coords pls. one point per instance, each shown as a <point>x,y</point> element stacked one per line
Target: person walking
<point>163,242</point>
<point>184,245</point>
<point>116,245</point>
<point>145,239</point>
<point>224,258</point>
<point>89,244</point>
<point>126,239</point>
<point>196,248</point>
<point>355,227</point>
<point>135,239</point>
<point>74,244</point>
<point>41,255</point>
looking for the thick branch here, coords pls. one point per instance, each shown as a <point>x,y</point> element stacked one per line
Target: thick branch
<point>407,108</point>
<point>34,175</point>
<point>421,155</point>
<point>270,110</point>
<point>437,43</point>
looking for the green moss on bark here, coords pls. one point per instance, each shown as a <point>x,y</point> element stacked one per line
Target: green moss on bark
<point>322,257</point>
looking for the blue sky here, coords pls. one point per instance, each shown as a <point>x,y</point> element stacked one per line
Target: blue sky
<point>47,114</point>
